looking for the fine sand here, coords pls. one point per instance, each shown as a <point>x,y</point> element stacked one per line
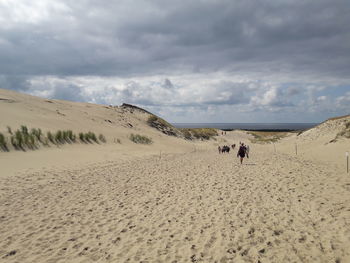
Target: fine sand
<point>171,201</point>
<point>196,206</point>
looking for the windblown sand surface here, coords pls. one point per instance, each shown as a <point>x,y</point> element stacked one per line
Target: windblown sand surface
<point>191,207</point>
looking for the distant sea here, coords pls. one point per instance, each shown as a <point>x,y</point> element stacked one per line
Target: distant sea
<point>249,126</point>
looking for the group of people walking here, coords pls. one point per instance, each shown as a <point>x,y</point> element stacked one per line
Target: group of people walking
<point>243,150</point>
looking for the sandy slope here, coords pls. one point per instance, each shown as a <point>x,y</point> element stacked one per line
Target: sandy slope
<point>172,201</point>
<point>190,207</point>
<point>315,144</point>
<point>115,123</point>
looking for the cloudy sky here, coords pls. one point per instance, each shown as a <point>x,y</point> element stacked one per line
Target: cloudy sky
<point>187,61</point>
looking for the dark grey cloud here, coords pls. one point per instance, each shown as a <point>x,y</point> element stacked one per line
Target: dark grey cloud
<point>127,38</point>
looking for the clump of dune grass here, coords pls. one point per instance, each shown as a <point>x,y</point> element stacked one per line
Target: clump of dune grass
<point>102,138</point>
<point>50,137</point>
<point>59,137</point>
<point>22,139</point>
<point>137,138</point>
<point>81,137</point>
<point>24,129</point>
<point>36,133</point>
<point>92,136</point>
<point>71,136</point>
<point>3,143</point>
<point>17,140</point>
<point>62,137</point>
<point>88,137</point>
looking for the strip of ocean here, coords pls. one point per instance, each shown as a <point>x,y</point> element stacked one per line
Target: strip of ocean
<point>249,126</point>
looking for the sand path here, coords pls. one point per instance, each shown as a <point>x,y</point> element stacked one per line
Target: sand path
<point>192,207</point>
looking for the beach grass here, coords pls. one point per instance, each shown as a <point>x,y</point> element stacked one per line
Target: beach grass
<point>22,139</point>
<point>102,138</point>
<point>3,143</point>
<point>137,138</point>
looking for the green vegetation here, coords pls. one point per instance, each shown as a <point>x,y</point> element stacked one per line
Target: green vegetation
<point>3,143</point>
<point>36,133</point>
<point>266,137</point>
<point>50,137</point>
<point>137,138</point>
<point>22,139</point>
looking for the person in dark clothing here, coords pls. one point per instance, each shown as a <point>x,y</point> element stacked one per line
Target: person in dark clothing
<point>241,152</point>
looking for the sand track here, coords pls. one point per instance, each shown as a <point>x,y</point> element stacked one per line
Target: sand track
<point>193,207</point>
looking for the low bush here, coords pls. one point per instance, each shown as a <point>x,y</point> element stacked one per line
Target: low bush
<point>137,138</point>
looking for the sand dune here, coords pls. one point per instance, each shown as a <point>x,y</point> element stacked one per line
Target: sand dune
<point>172,201</point>
<point>189,207</point>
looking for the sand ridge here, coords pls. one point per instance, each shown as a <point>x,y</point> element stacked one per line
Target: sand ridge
<point>197,206</point>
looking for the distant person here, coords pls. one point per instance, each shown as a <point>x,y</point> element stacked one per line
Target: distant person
<point>241,152</point>
<point>247,150</point>
<point>219,148</point>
